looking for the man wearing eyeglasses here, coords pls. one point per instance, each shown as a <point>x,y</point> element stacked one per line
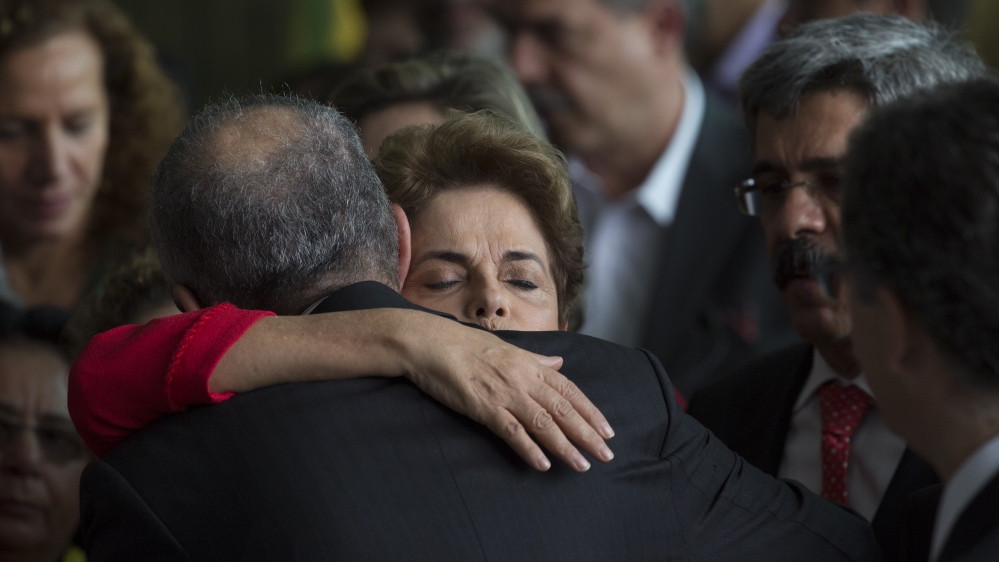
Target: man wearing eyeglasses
<point>806,413</point>
<point>41,456</point>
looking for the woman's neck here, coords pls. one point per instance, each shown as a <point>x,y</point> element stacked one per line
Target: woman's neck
<point>50,272</point>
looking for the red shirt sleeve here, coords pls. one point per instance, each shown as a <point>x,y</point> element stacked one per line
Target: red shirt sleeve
<point>131,376</point>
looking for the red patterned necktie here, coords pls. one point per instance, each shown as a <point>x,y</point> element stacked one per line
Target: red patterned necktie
<point>843,408</point>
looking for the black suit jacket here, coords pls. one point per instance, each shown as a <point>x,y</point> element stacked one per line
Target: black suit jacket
<point>751,410</point>
<point>372,469</point>
<point>715,306</point>
<point>975,536</point>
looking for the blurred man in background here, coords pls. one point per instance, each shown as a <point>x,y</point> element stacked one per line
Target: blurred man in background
<point>920,228</point>
<point>730,35</point>
<point>806,412</point>
<point>673,267</point>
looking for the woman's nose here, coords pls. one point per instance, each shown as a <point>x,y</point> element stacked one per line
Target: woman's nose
<point>489,302</point>
<point>50,158</point>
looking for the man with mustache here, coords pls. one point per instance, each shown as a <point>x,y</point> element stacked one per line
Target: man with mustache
<point>806,412</point>
<point>674,268</point>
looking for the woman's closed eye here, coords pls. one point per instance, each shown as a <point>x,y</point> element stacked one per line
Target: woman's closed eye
<point>442,285</point>
<point>523,284</point>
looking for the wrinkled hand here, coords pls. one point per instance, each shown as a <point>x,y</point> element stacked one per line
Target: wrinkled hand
<point>513,392</point>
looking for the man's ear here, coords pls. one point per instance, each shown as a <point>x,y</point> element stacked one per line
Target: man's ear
<point>667,25</point>
<point>405,242</point>
<point>185,300</point>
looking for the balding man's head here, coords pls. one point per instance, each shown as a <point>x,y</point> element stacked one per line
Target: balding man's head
<point>268,202</point>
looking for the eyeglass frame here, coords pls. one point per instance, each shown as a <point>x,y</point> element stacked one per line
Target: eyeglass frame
<point>746,187</point>
<point>19,427</point>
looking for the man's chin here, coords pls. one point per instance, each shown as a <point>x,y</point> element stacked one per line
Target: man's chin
<point>806,292</point>
<point>815,317</point>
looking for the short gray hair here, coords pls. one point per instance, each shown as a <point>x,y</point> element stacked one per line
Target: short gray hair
<point>882,57</point>
<point>268,202</point>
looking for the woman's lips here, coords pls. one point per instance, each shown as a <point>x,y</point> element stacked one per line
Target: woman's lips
<point>47,207</point>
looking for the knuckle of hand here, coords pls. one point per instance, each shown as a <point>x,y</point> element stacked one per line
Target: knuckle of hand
<point>511,428</point>
<point>562,408</point>
<point>569,389</point>
<point>542,420</point>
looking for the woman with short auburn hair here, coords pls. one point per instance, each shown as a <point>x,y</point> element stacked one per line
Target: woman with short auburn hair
<point>416,164</point>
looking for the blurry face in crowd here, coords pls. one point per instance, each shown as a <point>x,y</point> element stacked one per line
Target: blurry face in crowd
<point>801,222</point>
<point>588,69</point>
<point>54,119</point>
<point>479,256</point>
<point>39,470</point>
<point>803,11</point>
<point>377,125</point>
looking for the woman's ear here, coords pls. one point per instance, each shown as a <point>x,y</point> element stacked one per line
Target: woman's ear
<point>564,326</point>
<point>405,242</point>
<point>184,299</point>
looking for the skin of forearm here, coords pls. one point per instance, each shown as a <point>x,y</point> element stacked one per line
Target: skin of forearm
<point>339,345</point>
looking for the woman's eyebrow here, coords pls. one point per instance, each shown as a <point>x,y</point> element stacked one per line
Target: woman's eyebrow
<point>448,256</point>
<point>515,255</point>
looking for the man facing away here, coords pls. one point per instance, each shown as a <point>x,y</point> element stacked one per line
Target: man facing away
<point>279,191</point>
<point>674,268</point>
<point>806,412</point>
<point>922,238</point>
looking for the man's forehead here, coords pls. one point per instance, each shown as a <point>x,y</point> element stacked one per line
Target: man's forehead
<point>34,379</point>
<point>819,130</point>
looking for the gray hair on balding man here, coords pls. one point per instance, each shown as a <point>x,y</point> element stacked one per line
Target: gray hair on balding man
<point>268,202</point>
<point>882,57</point>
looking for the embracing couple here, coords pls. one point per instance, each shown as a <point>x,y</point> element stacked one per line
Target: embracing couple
<point>269,203</point>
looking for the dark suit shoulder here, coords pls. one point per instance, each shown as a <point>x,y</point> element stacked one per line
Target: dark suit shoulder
<point>750,409</point>
<point>761,377</point>
<point>722,149</point>
<point>975,537</point>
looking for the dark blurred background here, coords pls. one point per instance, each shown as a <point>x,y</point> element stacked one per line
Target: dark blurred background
<point>213,47</point>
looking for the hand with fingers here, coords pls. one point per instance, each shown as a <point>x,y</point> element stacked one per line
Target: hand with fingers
<point>518,395</point>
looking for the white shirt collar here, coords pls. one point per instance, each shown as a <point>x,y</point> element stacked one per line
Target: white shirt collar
<point>822,373</point>
<point>976,472</point>
<point>659,194</point>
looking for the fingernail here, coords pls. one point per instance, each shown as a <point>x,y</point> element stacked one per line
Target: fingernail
<point>607,431</point>
<point>543,463</point>
<point>582,464</point>
<point>605,453</point>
